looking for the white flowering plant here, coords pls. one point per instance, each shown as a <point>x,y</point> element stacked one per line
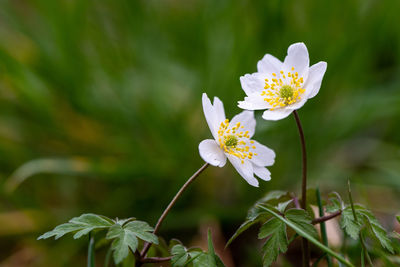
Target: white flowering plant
<point>279,88</point>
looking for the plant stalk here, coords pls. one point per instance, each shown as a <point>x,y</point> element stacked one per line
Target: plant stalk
<point>147,245</point>
<point>305,247</point>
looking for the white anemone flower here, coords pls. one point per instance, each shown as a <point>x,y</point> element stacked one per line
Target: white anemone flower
<point>281,88</point>
<point>232,140</point>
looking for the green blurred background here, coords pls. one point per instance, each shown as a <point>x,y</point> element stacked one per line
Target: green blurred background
<point>100,111</point>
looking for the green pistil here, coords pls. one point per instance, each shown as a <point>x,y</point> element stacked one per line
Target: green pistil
<point>286,92</point>
<point>231,141</point>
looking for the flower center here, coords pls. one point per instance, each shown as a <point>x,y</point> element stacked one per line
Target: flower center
<point>235,142</point>
<point>283,91</point>
<point>231,141</point>
<point>286,92</point>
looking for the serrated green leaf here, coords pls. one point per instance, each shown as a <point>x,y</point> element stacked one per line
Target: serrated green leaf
<point>302,219</point>
<point>142,230</point>
<point>375,227</point>
<point>82,224</point>
<point>302,233</point>
<point>277,241</point>
<point>126,237</point>
<point>398,218</point>
<point>348,223</point>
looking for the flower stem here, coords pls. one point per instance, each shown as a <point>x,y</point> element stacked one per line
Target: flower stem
<point>305,248</point>
<point>147,245</point>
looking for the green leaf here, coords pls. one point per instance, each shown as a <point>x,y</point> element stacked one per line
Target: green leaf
<point>336,203</point>
<point>303,220</point>
<point>256,215</point>
<point>201,260</point>
<point>126,237</point>
<point>304,234</point>
<point>277,241</point>
<point>349,224</point>
<point>179,255</point>
<point>124,240</point>
<point>246,225</point>
<point>283,205</point>
<point>211,252</point>
<point>142,230</point>
<point>375,227</point>
<point>82,225</point>
<point>213,259</point>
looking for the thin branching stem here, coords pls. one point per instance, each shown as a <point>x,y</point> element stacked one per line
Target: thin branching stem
<point>147,245</point>
<point>305,247</point>
<point>156,259</point>
<point>326,217</point>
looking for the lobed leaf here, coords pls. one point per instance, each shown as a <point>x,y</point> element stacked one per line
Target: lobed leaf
<point>82,225</point>
<point>180,255</point>
<point>126,238</point>
<point>277,241</point>
<point>302,233</point>
<point>349,224</point>
<point>376,229</point>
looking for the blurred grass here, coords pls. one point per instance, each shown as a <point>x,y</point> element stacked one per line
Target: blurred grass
<point>115,87</point>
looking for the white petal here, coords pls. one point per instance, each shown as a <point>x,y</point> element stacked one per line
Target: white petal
<point>298,104</point>
<point>276,114</point>
<point>245,169</point>
<point>214,114</point>
<point>219,111</point>
<point>298,58</point>
<point>314,80</point>
<point>210,115</point>
<point>246,119</point>
<point>262,172</point>
<point>252,83</point>
<point>269,64</point>
<point>254,102</point>
<point>265,156</point>
<point>211,153</point>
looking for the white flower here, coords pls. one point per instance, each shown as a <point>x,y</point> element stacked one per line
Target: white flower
<point>284,87</point>
<point>232,141</point>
